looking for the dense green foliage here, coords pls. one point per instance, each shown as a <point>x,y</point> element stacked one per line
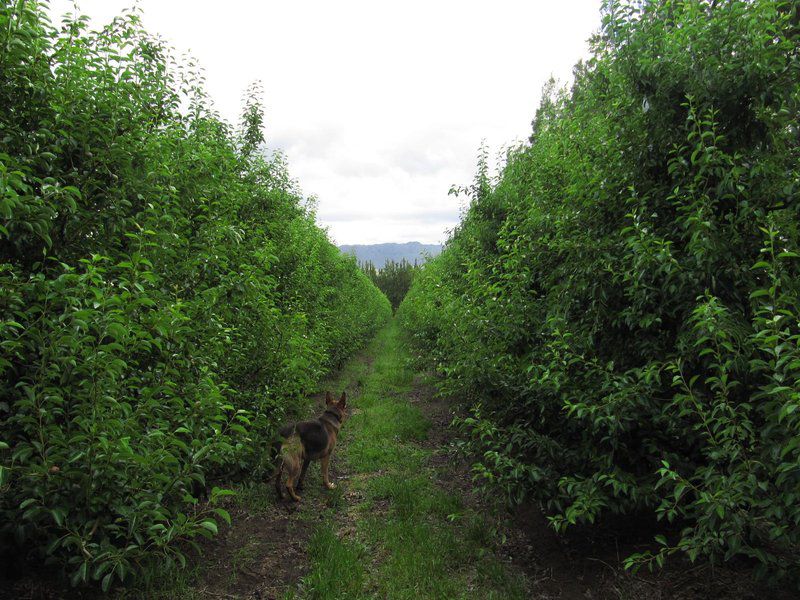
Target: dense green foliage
<point>393,279</point>
<point>620,305</point>
<point>165,297</point>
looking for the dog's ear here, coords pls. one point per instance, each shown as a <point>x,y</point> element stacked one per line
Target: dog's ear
<point>343,400</point>
<point>328,399</point>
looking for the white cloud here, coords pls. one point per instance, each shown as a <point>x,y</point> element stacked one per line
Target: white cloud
<point>379,107</point>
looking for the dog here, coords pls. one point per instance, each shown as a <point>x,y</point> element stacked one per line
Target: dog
<point>306,441</point>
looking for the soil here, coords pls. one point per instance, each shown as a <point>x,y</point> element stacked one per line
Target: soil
<point>258,558</point>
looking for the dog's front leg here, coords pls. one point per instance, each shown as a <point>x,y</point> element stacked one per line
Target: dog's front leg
<point>325,462</point>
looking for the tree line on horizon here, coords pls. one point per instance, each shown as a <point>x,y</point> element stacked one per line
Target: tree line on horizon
<point>378,254</point>
<point>394,278</point>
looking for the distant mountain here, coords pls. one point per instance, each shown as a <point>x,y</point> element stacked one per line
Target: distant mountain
<point>378,254</point>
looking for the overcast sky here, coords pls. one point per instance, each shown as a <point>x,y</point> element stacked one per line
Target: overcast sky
<point>380,106</point>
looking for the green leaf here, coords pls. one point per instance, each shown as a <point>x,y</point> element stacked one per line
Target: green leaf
<point>106,583</point>
<point>224,514</point>
<point>210,525</point>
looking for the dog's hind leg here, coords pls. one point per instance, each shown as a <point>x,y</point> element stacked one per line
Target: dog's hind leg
<point>292,493</point>
<point>290,487</point>
<point>278,475</point>
<point>299,485</point>
<point>292,465</point>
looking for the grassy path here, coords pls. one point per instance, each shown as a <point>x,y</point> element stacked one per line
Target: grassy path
<point>398,531</point>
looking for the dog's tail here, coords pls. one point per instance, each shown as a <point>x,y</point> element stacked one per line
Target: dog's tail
<point>283,434</point>
<point>274,456</point>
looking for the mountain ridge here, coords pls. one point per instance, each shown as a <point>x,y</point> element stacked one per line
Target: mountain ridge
<point>378,254</point>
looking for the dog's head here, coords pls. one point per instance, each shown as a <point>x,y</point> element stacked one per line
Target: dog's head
<point>339,406</point>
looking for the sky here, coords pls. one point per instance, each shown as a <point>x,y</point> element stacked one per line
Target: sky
<point>380,106</point>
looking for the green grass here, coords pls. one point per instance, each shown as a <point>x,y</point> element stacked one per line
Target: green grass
<point>339,566</point>
<point>254,496</point>
<point>406,537</point>
<point>157,584</point>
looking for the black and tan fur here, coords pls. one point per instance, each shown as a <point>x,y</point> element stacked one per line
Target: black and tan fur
<point>306,441</point>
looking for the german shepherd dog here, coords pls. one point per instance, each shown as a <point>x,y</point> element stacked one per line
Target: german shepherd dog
<point>306,441</point>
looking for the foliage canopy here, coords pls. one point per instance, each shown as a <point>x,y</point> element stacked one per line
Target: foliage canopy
<point>620,305</point>
<point>165,296</point>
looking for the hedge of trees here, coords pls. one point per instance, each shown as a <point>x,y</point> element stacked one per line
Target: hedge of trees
<point>165,297</point>
<point>620,304</point>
